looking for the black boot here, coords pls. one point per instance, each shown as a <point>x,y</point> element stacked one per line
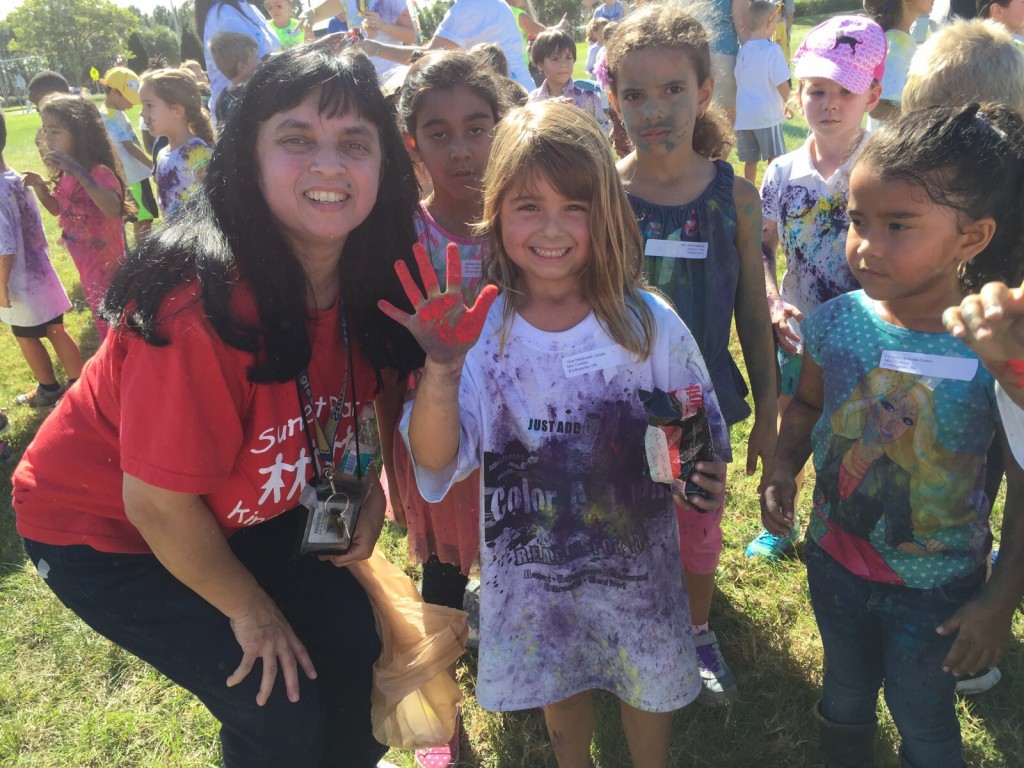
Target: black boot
<point>843,745</point>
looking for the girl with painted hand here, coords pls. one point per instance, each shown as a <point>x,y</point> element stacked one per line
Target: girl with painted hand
<point>582,587</point>
<point>900,417</point>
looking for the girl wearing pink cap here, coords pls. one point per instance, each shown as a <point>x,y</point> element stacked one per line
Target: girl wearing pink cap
<point>804,193</point>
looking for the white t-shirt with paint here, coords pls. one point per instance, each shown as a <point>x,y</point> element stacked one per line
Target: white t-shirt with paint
<point>582,586</point>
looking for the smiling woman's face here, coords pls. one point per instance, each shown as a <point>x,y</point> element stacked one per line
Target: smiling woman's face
<point>318,174</point>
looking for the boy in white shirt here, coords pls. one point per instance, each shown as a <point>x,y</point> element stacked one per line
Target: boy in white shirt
<point>762,88</point>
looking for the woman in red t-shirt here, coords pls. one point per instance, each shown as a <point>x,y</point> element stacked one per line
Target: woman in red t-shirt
<point>160,501</point>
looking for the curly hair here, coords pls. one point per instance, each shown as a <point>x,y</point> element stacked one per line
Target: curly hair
<point>91,142</point>
<point>970,159</point>
<point>668,26</point>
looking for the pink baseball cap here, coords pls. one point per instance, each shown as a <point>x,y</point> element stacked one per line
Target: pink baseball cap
<point>847,49</point>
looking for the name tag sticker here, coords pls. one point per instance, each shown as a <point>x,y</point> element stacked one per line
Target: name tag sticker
<point>594,360</point>
<point>676,249</point>
<point>472,268</point>
<point>938,366</point>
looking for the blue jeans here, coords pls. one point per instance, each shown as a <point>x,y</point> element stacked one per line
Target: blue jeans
<point>135,602</point>
<point>876,633</point>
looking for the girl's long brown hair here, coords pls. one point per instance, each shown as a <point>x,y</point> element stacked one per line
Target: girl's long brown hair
<point>562,144</point>
<point>92,146</point>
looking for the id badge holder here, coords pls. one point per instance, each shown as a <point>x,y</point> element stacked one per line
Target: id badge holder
<point>333,512</point>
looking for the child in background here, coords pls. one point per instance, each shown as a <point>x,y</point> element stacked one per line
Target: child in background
<point>40,86</point>
<point>804,194</point>
<point>610,10</point>
<point>513,94</point>
<point>900,417</point>
<point>965,61</point>
<point>1009,13</point>
<point>449,107</point>
<point>581,586</point>
<point>236,56</point>
<point>171,107</point>
<point>32,299</point>
<point>554,54</point>
<point>89,193</point>
<point>595,36</point>
<point>784,32</point>
<point>895,17</point>
<point>762,89</point>
<point>122,94</point>
<point>288,30</point>
<point>702,233</point>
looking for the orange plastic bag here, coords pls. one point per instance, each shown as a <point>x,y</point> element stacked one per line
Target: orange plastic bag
<point>414,700</point>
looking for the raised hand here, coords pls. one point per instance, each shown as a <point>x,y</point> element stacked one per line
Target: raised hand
<point>991,322</point>
<point>442,323</point>
<point>64,162</point>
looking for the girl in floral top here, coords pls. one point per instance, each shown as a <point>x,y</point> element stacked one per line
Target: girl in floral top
<point>172,106</point>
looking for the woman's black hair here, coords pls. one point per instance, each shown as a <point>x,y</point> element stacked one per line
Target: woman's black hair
<point>225,233</point>
<point>970,159</point>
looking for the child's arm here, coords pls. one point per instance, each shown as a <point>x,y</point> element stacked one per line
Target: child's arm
<point>42,190</point>
<point>6,267</point>
<point>739,19</point>
<point>778,310</point>
<point>791,452</point>
<point>107,200</point>
<point>135,151</point>
<point>754,327</point>
<point>784,93</point>
<point>991,323</point>
<point>446,329</point>
<point>402,30</point>
<point>982,625</point>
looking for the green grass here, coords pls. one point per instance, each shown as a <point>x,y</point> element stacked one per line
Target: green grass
<point>68,698</point>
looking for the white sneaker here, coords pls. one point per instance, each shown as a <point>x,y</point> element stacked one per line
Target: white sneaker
<point>980,683</point>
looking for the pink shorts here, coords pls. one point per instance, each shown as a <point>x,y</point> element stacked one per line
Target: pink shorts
<point>700,539</point>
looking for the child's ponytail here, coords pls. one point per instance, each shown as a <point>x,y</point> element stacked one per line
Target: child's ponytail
<point>970,159</point>
<point>180,87</point>
<point>199,123</point>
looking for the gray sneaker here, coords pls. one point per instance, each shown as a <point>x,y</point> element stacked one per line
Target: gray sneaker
<point>980,683</point>
<point>716,678</point>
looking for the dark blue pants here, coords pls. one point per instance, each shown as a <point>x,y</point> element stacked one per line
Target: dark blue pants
<point>135,602</point>
<point>875,633</point>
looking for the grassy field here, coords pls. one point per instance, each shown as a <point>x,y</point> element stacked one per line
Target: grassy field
<point>70,699</point>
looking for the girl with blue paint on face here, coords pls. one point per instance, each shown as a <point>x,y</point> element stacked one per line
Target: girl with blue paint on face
<point>702,234</point>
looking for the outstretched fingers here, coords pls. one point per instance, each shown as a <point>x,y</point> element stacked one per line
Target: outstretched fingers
<point>427,274</point>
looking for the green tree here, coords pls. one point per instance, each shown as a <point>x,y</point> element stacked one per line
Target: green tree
<point>161,41</point>
<point>73,35</point>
